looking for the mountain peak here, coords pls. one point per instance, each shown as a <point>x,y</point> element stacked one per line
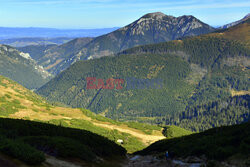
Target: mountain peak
<point>159,15</point>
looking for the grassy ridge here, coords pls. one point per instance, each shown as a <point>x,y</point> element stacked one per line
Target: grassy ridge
<point>54,140</point>
<point>217,143</point>
<point>174,131</point>
<point>20,103</point>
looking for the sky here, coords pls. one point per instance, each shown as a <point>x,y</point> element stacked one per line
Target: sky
<point>77,14</point>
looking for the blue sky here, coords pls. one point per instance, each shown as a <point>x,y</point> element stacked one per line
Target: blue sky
<point>113,13</point>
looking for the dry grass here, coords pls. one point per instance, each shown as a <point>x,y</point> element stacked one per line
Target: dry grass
<point>239,93</point>
<point>41,110</point>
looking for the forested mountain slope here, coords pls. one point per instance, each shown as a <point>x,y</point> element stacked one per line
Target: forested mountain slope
<point>189,72</point>
<point>22,68</point>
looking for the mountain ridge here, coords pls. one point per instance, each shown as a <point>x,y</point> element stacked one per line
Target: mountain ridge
<point>150,28</point>
<point>236,22</point>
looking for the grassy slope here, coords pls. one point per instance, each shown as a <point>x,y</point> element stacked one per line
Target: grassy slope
<point>22,139</point>
<point>175,131</point>
<point>20,103</point>
<point>239,32</point>
<point>217,143</point>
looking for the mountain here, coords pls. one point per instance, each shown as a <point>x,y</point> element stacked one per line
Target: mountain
<point>22,42</point>
<point>36,52</point>
<point>157,83</point>
<point>151,28</point>
<point>22,68</point>
<point>56,59</point>
<point>52,56</point>
<point>34,32</point>
<point>236,22</point>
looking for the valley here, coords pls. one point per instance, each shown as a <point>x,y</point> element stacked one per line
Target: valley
<point>160,91</point>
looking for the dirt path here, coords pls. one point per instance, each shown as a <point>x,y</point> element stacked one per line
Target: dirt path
<point>151,161</point>
<point>54,162</point>
<point>147,139</point>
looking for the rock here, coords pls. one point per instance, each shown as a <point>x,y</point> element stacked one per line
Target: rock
<point>193,159</point>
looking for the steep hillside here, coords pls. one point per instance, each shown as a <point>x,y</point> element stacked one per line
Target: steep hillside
<point>19,103</point>
<point>22,68</point>
<point>58,58</point>
<point>36,52</point>
<point>160,80</point>
<point>224,143</point>
<point>31,142</point>
<point>240,32</point>
<point>225,111</point>
<point>151,28</point>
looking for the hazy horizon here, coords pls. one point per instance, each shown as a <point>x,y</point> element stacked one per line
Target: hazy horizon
<point>96,14</point>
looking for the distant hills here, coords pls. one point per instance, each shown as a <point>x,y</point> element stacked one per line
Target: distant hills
<point>12,32</point>
<point>22,68</point>
<point>196,71</point>
<point>22,42</point>
<point>151,28</point>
